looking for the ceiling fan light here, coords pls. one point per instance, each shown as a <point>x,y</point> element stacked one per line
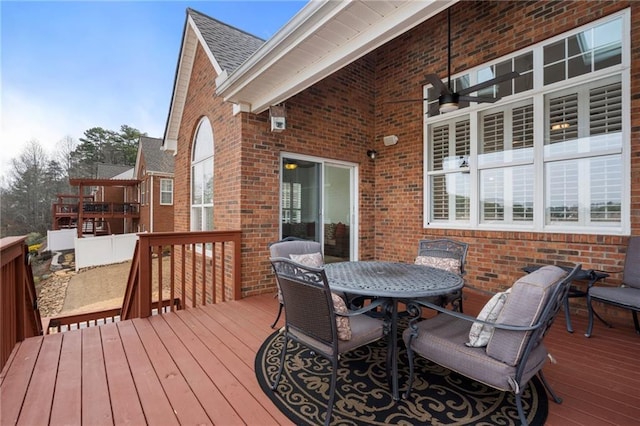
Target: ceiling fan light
<point>448,102</point>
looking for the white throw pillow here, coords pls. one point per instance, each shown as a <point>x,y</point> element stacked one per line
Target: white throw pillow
<point>445,263</point>
<point>480,334</point>
<point>314,260</point>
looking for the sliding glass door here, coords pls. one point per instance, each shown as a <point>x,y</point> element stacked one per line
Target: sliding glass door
<point>317,200</point>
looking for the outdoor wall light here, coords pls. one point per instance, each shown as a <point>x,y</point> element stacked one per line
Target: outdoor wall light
<point>372,154</point>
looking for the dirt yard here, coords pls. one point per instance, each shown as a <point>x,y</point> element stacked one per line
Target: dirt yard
<point>97,288</point>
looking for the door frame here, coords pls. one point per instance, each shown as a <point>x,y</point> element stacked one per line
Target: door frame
<point>353,190</point>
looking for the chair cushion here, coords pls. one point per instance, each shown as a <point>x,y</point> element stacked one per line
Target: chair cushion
<point>442,339</point>
<point>309,259</point>
<point>523,307</point>
<point>446,263</point>
<point>480,334</point>
<point>626,296</point>
<point>342,323</point>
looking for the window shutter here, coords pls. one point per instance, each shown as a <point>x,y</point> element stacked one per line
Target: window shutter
<point>563,118</point>
<point>439,196</point>
<point>522,127</point>
<point>605,109</point>
<point>440,144</point>
<point>493,133</point>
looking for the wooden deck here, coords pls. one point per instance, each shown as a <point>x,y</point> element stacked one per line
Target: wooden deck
<point>196,367</point>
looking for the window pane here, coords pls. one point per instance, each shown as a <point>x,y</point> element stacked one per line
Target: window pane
<point>562,201</point>
<point>207,179</point>
<point>492,195</point>
<point>554,52</point>
<point>554,73</point>
<point>208,218</point>
<point>203,143</point>
<point>439,198</point>
<point>196,184</point>
<point>196,218</point>
<point>579,65</point>
<point>522,193</point>
<point>606,189</point>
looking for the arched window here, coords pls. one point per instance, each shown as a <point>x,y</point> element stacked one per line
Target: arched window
<point>202,178</point>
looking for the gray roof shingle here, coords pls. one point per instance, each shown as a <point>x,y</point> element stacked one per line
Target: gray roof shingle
<point>230,46</point>
<point>156,159</point>
<point>107,171</point>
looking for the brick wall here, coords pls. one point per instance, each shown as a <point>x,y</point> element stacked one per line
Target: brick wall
<point>346,114</point>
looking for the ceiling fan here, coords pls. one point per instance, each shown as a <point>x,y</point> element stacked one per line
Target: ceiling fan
<point>448,100</point>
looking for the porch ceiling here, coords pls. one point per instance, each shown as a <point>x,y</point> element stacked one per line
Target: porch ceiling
<point>322,38</point>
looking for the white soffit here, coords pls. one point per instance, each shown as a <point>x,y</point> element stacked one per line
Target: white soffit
<point>322,38</point>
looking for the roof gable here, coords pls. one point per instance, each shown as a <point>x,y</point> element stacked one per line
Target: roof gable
<point>155,159</point>
<point>229,46</point>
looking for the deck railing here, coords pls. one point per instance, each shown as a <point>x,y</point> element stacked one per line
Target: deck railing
<point>196,267</point>
<point>19,315</point>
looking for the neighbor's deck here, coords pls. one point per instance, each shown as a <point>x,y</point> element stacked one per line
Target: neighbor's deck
<point>196,367</point>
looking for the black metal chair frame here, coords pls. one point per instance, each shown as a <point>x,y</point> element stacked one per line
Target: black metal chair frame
<point>281,306</point>
<point>631,271</point>
<point>309,313</point>
<point>537,332</point>
<point>447,248</point>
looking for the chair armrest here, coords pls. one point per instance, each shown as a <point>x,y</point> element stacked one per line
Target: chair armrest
<point>371,306</point>
<point>414,309</point>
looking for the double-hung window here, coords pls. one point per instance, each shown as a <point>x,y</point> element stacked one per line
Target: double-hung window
<point>166,191</point>
<point>553,154</point>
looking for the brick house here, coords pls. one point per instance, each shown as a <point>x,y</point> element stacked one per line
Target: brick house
<point>154,170</point>
<point>276,137</point>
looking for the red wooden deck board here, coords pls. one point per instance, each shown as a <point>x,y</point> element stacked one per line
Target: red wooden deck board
<point>37,402</point>
<point>227,386</point>
<point>154,402</point>
<point>96,404</point>
<point>122,391</point>
<point>16,381</point>
<point>184,404</point>
<point>67,402</point>
<point>211,350</point>
<point>232,353</point>
<point>209,396</point>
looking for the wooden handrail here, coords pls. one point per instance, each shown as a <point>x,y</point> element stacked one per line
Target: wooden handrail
<point>19,314</point>
<point>204,267</point>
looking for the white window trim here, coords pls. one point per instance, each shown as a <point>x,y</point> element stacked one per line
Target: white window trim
<point>165,192</point>
<point>537,93</point>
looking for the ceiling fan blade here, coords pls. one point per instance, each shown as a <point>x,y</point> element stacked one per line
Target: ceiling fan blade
<point>399,101</point>
<point>478,99</point>
<point>489,83</point>
<point>437,83</point>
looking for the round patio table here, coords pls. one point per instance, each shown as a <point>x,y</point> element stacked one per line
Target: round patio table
<point>393,282</point>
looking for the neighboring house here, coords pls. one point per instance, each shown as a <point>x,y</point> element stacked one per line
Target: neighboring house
<point>154,170</point>
<point>273,137</point>
<point>103,205</point>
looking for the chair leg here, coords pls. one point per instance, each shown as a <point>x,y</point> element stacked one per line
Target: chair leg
<point>635,321</point>
<point>547,387</point>
<point>523,418</point>
<point>278,317</point>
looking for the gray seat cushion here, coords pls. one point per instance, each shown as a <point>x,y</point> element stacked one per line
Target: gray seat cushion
<point>523,307</point>
<point>627,296</point>
<point>442,339</point>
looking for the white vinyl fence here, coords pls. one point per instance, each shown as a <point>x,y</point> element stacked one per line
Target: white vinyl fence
<point>94,251</point>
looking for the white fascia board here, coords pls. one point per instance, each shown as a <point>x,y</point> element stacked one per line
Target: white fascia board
<point>412,14</point>
<point>299,28</point>
<point>205,46</point>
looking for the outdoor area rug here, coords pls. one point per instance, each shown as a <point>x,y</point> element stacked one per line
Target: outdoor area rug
<point>438,397</point>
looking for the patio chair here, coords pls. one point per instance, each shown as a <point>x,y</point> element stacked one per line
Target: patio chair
<point>295,246</point>
<point>319,319</point>
<point>626,296</point>
<point>515,329</point>
<point>444,254</point>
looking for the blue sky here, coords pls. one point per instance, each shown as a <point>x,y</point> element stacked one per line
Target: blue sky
<point>70,66</point>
